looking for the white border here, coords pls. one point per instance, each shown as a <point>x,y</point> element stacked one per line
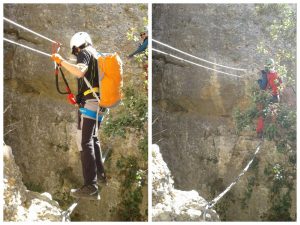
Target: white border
<point>1,120</point>
<point>149,113</point>
<point>150,2</point>
<point>298,102</point>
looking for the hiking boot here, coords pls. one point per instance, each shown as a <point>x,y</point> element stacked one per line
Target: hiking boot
<point>86,191</point>
<point>102,178</point>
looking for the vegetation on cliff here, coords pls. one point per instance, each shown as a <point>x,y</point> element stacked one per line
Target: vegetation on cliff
<point>280,118</point>
<point>131,118</point>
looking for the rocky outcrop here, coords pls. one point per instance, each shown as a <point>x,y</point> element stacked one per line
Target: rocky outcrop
<point>22,205</point>
<point>170,204</point>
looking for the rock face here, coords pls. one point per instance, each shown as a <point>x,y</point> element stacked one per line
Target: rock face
<point>44,141</point>
<point>170,204</point>
<point>226,34</point>
<point>193,107</point>
<point>22,205</point>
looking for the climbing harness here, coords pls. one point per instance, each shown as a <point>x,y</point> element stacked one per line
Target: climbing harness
<point>196,64</point>
<point>212,203</point>
<point>185,53</point>
<point>110,82</point>
<point>95,89</point>
<point>91,113</point>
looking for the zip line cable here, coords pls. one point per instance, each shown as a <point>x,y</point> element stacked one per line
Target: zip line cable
<point>27,47</point>
<point>185,53</point>
<point>196,64</point>
<point>212,203</point>
<point>27,29</point>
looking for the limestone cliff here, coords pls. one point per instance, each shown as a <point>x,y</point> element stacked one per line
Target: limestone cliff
<point>170,204</point>
<point>193,107</point>
<point>44,124</point>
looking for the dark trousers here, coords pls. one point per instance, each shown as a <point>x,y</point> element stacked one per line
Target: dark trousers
<point>91,155</point>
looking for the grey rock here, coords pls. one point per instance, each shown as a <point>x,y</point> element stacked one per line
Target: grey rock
<point>170,204</point>
<point>22,205</point>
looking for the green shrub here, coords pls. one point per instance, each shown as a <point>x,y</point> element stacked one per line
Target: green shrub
<point>132,114</point>
<point>133,178</point>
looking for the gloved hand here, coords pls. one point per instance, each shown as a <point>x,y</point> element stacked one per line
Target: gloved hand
<point>57,58</point>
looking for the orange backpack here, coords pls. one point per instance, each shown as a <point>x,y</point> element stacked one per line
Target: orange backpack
<point>110,79</point>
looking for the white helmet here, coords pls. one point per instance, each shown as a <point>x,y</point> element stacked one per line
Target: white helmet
<point>79,39</point>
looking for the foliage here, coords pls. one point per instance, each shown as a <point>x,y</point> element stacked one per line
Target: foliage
<point>278,172</point>
<point>222,206</point>
<point>282,28</point>
<point>143,7</point>
<point>133,35</point>
<point>248,192</point>
<point>143,147</point>
<point>270,131</point>
<point>133,111</point>
<point>244,119</point>
<point>34,187</point>
<point>131,118</point>
<point>133,114</point>
<point>280,209</point>
<point>280,127</point>
<point>280,200</point>
<point>133,179</point>
<point>279,118</point>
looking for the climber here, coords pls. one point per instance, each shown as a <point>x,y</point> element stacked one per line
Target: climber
<point>87,141</point>
<point>269,80</point>
<point>143,46</point>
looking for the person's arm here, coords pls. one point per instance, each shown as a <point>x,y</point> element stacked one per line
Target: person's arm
<point>77,70</point>
<point>141,48</point>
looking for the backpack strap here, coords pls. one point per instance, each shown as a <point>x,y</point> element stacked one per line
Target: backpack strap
<point>263,82</point>
<point>95,54</point>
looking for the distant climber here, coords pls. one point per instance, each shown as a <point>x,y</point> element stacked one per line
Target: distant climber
<point>269,80</point>
<point>87,141</point>
<point>142,46</point>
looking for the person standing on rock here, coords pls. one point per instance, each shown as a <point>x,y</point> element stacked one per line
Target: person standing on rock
<point>87,140</point>
<point>269,80</point>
